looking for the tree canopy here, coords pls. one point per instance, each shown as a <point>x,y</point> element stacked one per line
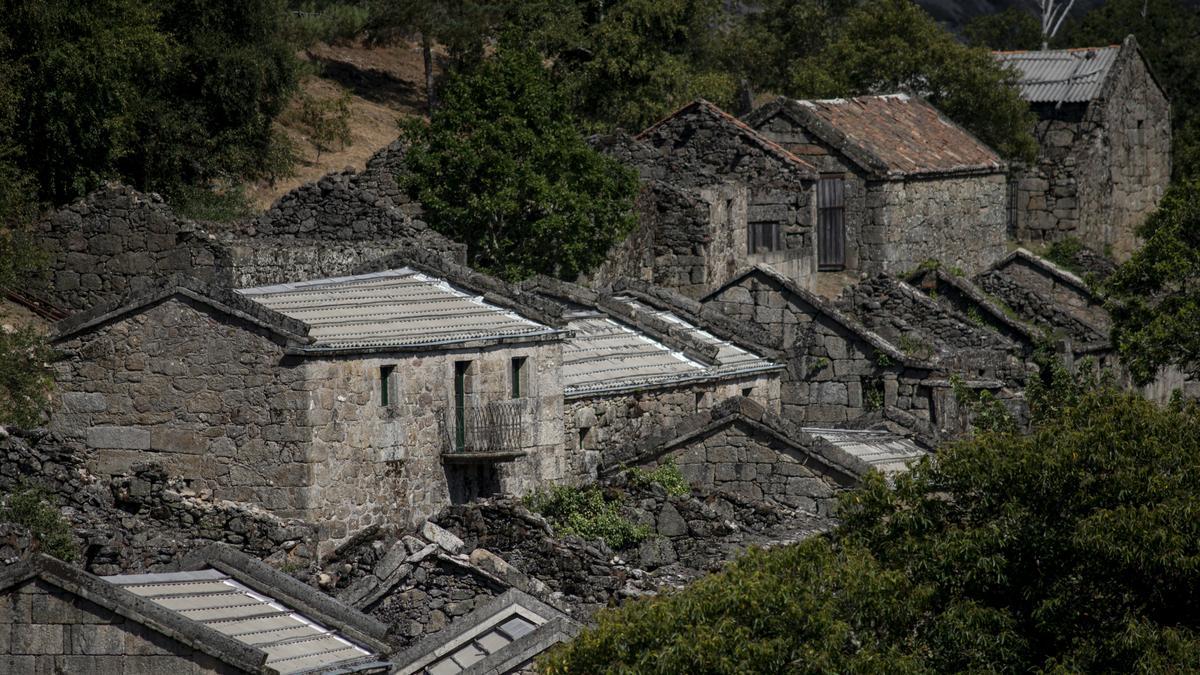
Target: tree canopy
<point>157,94</point>
<point>1073,548</point>
<point>1167,31</point>
<point>502,167</point>
<point>1153,297</point>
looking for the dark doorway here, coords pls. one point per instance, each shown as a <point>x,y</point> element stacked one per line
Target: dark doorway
<point>469,482</point>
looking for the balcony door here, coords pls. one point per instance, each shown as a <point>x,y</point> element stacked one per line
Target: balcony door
<point>461,370</point>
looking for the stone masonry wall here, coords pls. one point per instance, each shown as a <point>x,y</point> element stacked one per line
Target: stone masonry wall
<point>739,183</point>
<point>921,327</point>
<point>753,464</point>
<point>1069,296</point>
<point>377,465</point>
<point>46,629</point>
<point>211,398</point>
<point>833,375</point>
<point>119,241</point>
<point>959,221</point>
<point>615,426</point>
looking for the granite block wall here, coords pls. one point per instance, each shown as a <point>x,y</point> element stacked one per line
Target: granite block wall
<point>211,398</point>
<point>376,464</point>
<point>748,462</point>
<point>616,426</point>
<point>45,629</point>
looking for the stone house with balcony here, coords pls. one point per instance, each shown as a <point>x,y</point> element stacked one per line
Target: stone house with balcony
<point>370,399</point>
<point>717,197</point>
<point>1104,129</point>
<point>899,184</point>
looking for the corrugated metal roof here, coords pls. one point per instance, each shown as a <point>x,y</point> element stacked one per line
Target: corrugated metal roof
<point>881,450</point>
<point>1061,75</point>
<point>293,642</point>
<point>395,308</point>
<point>498,633</point>
<point>907,134</point>
<point>607,355</point>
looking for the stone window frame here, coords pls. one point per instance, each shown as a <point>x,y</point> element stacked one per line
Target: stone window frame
<point>389,390</point>
<point>518,375</point>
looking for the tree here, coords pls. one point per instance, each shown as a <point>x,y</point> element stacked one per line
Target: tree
<point>1012,29</point>
<point>502,167</point>
<point>885,46</point>
<point>1166,31</point>
<point>1154,298</point>
<point>1071,549</point>
<point>644,58</point>
<point>1053,13</point>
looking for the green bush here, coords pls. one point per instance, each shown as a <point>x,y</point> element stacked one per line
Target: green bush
<point>585,512</point>
<point>37,509</point>
<point>327,120</point>
<point>25,376</point>
<point>666,475</point>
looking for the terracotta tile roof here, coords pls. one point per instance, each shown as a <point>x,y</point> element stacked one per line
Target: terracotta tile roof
<point>735,125</point>
<point>892,136</point>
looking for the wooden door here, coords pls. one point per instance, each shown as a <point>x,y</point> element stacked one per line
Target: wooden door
<point>831,223</point>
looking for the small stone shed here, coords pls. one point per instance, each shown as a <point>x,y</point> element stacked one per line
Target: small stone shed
<point>1104,127</point>
<point>718,196</point>
<point>741,448</point>
<point>638,363</point>
<point>371,399</point>
<point>899,183</point>
<point>221,612</point>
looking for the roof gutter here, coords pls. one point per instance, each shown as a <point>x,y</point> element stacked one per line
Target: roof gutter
<point>668,383</point>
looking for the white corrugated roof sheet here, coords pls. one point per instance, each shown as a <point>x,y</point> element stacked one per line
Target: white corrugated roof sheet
<point>293,642</point>
<point>395,308</point>
<point>1061,75</point>
<point>883,451</point>
<point>606,355</point>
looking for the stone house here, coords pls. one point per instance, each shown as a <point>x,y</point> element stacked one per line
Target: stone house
<point>899,183</point>
<point>739,447</point>
<point>219,612</point>
<point>637,364</point>
<point>370,399</point>
<point>718,197</point>
<point>1104,129</point>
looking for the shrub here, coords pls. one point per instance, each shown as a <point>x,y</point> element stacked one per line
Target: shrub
<point>37,509</point>
<point>666,475</point>
<point>585,512</point>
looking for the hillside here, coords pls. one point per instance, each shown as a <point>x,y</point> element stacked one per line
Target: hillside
<point>384,84</point>
<point>955,13</point>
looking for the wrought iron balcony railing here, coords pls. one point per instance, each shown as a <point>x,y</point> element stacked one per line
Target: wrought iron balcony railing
<point>494,427</point>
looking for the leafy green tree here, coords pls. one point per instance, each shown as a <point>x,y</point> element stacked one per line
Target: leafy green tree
<point>1074,548</point>
<point>502,168</point>
<point>885,46</point>
<point>1154,298</point>
<point>765,46</point>
<point>1167,32</point>
<point>1011,29</point>
<point>644,58</point>
<point>37,509</point>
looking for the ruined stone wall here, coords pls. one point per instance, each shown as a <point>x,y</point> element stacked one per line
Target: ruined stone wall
<point>377,464</point>
<point>1039,310</point>
<point>1102,166</point>
<point>959,221</point>
<point>921,327</point>
<point>733,183</point>
<point>1069,296</point>
<point>616,426</point>
<point>115,242</point>
<point>211,398</point>
<point>272,260</point>
<point>833,375</point>
<point>668,245</point>
<point>46,629</point>
<point>748,462</point>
